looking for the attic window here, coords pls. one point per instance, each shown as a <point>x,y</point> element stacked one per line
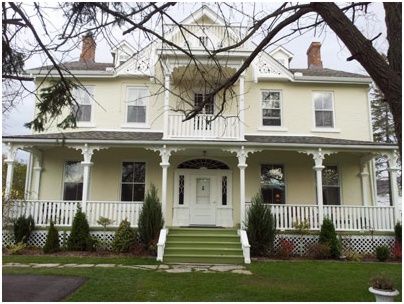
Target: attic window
<point>123,58</point>
<point>203,41</point>
<point>282,61</point>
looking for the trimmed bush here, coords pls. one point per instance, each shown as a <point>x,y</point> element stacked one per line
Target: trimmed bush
<point>124,237</point>
<point>329,236</point>
<point>260,227</point>
<point>382,253</point>
<point>318,251</point>
<point>23,227</point>
<point>52,240</point>
<point>150,219</point>
<point>80,238</point>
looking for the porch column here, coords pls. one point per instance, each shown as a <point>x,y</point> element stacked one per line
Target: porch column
<point>11,154</point>
<point>241,106</point>
<point>37,175</point>
<point>242,155</point>
<point>393,168</point>
<point>365,179</point>
<point>166,104</point>
<point>165,154</point>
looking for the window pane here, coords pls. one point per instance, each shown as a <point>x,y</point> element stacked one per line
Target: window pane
<point>73,172</point>
<point>84,113</point>
<point>126,192</point>
<point>331,196</point>
<point>139,172</point>
<point>330,176</point>
<point>324,119</point>
<point>127,172</point>
<point>73,191</point>
<point>273,183</point>
<point>136,114</point>
<point>138,192</point>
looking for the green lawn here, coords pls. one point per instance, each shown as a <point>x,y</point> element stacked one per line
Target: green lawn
<point>271,281</point>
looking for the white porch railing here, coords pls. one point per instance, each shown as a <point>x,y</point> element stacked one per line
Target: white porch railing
<point>345,218</point>
<point>62,212</point>
<point>204,127</point>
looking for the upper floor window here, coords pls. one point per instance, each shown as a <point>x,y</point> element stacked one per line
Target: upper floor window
<point>123,58</point>
<point>271,108</point>
<point>83,96</point>
<point>200,99</point>
<point>73,181</point>
<point>273,183</point>
<point>137,101</point>
<point>331,186</point>
<point>133,181</point>
<point>203,41</point>
<point>324,109</point>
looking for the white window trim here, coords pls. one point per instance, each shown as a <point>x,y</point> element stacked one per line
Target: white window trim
<point>87,124</point>
<point>315,128</point>
<point>280,128</point>
<point>120,179</point>
<point>136,125</point>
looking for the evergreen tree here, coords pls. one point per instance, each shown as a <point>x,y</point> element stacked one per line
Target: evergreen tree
<point>52,240</point>
<point>151,218</point>
<point>80,238</point>
<point>328,236</point>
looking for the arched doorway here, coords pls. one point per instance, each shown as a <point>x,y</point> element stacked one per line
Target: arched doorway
<point>203,193</point>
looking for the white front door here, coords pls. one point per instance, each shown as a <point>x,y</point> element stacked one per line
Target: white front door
<point>203,205</point>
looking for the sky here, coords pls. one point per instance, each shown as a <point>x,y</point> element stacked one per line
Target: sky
<point>333,53</point>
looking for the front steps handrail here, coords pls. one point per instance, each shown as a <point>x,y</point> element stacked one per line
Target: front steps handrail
<point>161,244</point>
<point>245,245</point>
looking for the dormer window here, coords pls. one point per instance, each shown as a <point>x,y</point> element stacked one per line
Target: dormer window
<point>123,58</point>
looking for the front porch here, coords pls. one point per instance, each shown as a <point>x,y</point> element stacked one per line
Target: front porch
<point>345,218</point>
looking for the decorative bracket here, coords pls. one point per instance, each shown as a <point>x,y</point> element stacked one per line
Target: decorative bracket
<point>242,154</point>
<point>318,156</point>
<point>165,153</point>
<point>88,151</point>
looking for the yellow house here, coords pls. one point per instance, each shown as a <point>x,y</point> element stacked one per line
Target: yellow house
<point>301,137</point>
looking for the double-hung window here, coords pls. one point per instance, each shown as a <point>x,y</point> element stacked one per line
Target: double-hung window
<point>324,109</point>
<point>83,109</point>
<point>73,181</point>
<point>331,186</point>
<point>273,183</point>
<point>271,108</point>
<point>133,181</point>
<point>137,102</point>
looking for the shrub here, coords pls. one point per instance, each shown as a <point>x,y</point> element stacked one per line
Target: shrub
<point>150,219</point>
<point>382,282</point>
<point>353,255</point>
<point>52,240</point>
<point>286,248</point>
<point>329,236</point>
<point>382,253</point>
<point>260,227</point>
<point>80,238</point>
<point>17,248</point>
<point>22,229</point>
<point>318,251</point>
<point>124,237</point>
<point>396,251</point>
<point>398,230</point>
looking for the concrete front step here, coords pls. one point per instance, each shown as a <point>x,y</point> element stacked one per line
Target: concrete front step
<point>198,245</point>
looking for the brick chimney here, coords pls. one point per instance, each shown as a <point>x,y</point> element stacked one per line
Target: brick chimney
<point>314,56</point>
<point>88,48</point>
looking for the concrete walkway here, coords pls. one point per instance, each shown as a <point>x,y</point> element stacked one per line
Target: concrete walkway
<point>172,268</point>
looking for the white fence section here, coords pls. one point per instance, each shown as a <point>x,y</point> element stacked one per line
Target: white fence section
<point>345,218</point>
<point>62,212</point>
<point>204,126</point>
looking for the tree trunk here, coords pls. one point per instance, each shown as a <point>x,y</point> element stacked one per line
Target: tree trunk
<point>387,76</point>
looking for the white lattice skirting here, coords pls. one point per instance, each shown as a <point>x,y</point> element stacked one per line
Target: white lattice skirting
<point>359,243</point>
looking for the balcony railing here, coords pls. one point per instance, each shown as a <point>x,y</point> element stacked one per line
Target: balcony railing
<point>345,218</point>
<point>62,212</point>
<point>204,126</point>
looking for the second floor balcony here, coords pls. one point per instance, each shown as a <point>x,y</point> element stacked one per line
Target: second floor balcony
<point>204,126</point>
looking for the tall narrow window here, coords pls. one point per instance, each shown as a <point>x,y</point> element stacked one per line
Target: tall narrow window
<point>324,109</point>
<point>224,190</point>
<point>73,181</point>
<point>83,97</point>
<point>271,108</point>
<point>181,189</point>
<point>209,106</point>
<point>133,181</point>
<point>137,104</point>
<point>331,186</point>
<point>273,183</point>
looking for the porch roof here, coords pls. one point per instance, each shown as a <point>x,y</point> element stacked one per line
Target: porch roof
<point>115,138</point>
